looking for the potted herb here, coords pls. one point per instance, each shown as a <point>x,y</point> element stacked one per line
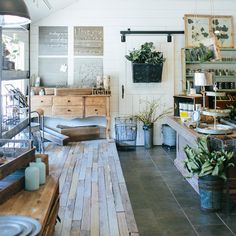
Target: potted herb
<point>147,63</point>
<point>210,167</point>
<point>148,116</point>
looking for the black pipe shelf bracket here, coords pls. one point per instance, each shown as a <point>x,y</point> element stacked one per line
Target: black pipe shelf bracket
<point>160,32</point>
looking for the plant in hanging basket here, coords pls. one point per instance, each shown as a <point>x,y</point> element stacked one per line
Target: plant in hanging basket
<point>147,63</point>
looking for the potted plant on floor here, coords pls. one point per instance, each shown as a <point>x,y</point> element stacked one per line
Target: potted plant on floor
<point>147,64</point>
<point>210,167</point>
<point>148,116</point>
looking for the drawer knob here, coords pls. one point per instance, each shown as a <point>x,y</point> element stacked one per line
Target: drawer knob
<point>68,100</point>
<point>41,101</point>
<point>96,109</point>
<point>69,110</point>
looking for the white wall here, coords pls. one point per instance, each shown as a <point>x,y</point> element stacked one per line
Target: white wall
<point>117,15</point>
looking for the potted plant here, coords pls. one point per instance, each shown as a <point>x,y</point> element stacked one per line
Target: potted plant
<point>210,167</point>
<point>148,116</point>
<point>147,63</point>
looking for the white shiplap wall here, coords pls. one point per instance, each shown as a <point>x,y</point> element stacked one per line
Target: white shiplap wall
<point>117,15</point>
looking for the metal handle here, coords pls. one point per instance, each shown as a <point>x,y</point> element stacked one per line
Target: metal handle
<point>123,91</point>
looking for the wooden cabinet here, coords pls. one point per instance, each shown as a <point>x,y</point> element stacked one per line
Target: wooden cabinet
<point>42,102</point>
<point>95,111</point>
<point>75,106</point>
<point>95,106</point>
<point>67,101</point>
<point>67,111</point>
<point>95,101</point>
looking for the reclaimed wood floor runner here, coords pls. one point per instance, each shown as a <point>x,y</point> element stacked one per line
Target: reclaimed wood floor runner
<point>94,198</point>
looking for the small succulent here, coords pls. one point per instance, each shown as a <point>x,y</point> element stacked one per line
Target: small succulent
<point>146,54</point>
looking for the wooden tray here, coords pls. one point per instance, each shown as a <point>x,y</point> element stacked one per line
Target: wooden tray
<point>11,185</point>
<point>22,156</point>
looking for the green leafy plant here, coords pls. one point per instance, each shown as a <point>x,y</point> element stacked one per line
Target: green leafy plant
<point>202,161</point>
<point>146,54</point>
<point>201,53</point>
<point>150,113</point>
<point>232,113</point>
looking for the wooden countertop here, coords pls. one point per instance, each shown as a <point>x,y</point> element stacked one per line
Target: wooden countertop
<point>190,134</point>
<point>35,204</point>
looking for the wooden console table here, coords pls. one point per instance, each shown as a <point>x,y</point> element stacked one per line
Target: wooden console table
<point>41,205</point>
<point>74,106</point>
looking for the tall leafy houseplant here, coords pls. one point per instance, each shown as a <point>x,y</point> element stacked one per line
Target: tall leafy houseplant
<point>147,63</point>
<point>210,167</point>
<point>148,116</point>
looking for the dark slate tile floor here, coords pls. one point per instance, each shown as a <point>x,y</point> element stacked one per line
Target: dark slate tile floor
<point>163,202</point>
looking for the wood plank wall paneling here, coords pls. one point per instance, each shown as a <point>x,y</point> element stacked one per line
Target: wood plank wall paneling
<point>94,198</point>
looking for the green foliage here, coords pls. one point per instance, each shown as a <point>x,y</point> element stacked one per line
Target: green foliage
<point>201,53</point>
<point>202,161</point>
<point>146,54</point>
<point>232,111</point>
<point>150,113</point>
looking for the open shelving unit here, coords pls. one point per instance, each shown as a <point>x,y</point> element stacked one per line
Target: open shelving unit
<point>225,74</point>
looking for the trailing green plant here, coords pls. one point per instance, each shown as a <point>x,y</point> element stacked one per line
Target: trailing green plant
<point>146,54</point>
<point>202,161</point>
<point>150,113</point>
<point>232,113</point>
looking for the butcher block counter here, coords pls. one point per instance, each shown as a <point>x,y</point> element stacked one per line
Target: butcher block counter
<point>41,205</point>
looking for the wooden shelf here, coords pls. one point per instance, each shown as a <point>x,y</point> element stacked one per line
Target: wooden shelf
<point>14,130</point>
<point>14,75</point>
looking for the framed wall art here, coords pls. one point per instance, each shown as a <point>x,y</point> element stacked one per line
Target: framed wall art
<point>223,28</point>
<point>199,28</point>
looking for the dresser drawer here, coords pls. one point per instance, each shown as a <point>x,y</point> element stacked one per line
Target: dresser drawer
<point>95,111</point>
<point>41,101</point>
<point>47,109</point>
<point>67,101</point>
<point>67,111</point>
<point>92,101</point>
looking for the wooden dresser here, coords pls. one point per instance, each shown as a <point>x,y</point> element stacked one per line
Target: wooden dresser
<point>74,106</point>
<point>42,205</point>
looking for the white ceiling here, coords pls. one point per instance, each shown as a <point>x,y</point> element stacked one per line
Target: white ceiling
<point>38,9</point>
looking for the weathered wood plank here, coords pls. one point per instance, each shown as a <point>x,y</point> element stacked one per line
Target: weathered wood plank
<point>75,228</point>
<point>95,210</point>
<point>67,223</point>
<point>86,219</point>
<point>115,185</point>
<point>67,183</point>
<point>128,209</point>
<point>78,211</point>
<point>123,227</point>
<point>103,214</point>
